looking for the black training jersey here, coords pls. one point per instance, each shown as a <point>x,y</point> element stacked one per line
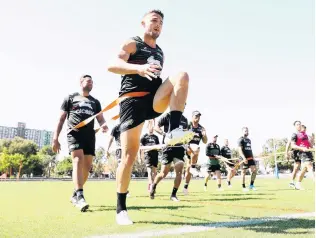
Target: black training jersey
<point>245,144</point>
<point>148,140</point>
<point>198,133</point>
<point>212,149</point>
<point>79,108</point>
<point>116,134</point>
<point>226,152</point>
<point>144,55</point>
<point>164,122</point>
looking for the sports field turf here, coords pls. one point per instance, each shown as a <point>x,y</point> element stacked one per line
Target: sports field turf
<point>42,209</point>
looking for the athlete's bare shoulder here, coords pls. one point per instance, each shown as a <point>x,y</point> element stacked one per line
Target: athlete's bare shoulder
<point>127,48</point>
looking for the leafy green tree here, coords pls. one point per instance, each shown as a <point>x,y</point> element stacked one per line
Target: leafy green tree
<point>23,147</point>
<point>8,162</point>
<point>64,167</point>
<point>49,159</point>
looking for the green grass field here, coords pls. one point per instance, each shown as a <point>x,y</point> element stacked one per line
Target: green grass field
<point>42,209</point>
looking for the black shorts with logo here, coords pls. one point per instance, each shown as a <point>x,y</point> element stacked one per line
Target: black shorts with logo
<point>151,161</point>
<point>213,168</point>
<point>250,163</point>
<point>295,156</point>
<point>82,139</point>
<point>134,111</point>
<point>172,154</point>
<point>305,156</point>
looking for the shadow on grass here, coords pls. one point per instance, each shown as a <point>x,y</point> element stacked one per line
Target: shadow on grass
<point>139,208</point>
<point>285,226</point>
<point>230,194</point>
<point>272,227</point>
<point>226,199</point>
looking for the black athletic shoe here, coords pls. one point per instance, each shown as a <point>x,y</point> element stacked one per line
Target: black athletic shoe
<point>152,193</point>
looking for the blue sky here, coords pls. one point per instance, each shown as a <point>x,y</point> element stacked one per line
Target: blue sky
<point>250,62</point>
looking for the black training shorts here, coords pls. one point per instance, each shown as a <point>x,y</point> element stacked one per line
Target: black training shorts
<point>172,154</point>
<point>151,161</point>
<point>295,157</point>
<point>213,168</point>
<point>305,156</point>
<point>134,111</point>
<point>250,163</point>
<point>82,140</point>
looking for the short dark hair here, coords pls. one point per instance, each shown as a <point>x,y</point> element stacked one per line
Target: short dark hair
<point>295,122</point>
<point>155,11</point>
<point>86,76</point>
<point>304,127</point>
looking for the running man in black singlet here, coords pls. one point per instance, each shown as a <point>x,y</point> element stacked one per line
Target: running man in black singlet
<point>193,153</point>
<point>140,62</point>
<point>245,153</point>
<point>226,152</point>
<point>173,154</point>
<point>81,142</point>
<point>150,157</point>
<point>293,154</point>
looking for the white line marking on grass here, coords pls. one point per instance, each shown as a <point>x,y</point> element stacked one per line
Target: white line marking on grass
<point>207,227</point>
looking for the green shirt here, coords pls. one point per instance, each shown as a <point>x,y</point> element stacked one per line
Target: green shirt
<point>212,149</point>
<point>213,161</point>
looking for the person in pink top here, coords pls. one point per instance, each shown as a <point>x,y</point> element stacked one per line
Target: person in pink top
<point>301,142</point>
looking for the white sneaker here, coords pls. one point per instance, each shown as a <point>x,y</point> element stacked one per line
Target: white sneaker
<point>174,198</point>
<point>292,185</point>
<point>245,189</point>
<point>205,188</point>
<point>194,172</point>
<point>123,219</point>
<point>185,191</point>
<point>178,136</point>
<point>82,205</point>
<point>220,189</point>
<point>73,200</point>
<point>298,186</point>
<point>229,186</point>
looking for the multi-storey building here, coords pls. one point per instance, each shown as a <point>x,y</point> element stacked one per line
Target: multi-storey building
<point>40,137</point>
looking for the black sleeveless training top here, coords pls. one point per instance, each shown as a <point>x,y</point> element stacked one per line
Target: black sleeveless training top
<point>144,54</point>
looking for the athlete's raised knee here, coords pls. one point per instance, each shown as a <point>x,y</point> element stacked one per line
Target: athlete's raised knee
<point>183,77</point>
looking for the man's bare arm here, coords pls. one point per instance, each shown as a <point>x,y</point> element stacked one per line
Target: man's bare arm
<point>241,153</point>
<point>110,143</point>
<point>100,119</point>
<point>204,139</point>
<point>120,65</point>
<point>204,136</point>
<point>296,147</point>
<point>60,124</point>
<point>287,148</point>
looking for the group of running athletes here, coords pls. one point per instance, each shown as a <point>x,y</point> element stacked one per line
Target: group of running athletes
<point>140,62</point>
